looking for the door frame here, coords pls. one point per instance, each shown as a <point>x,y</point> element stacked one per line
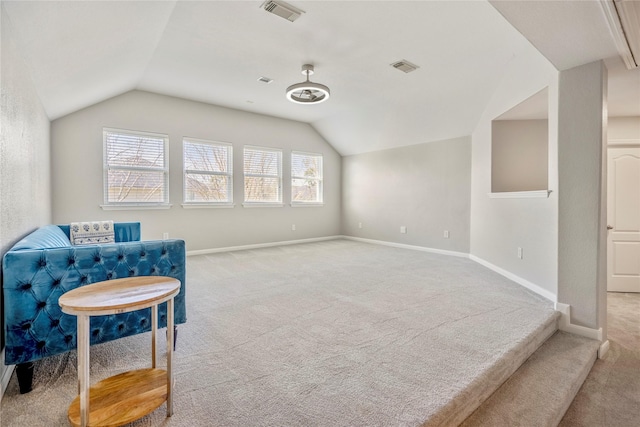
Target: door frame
<point>614,143</point>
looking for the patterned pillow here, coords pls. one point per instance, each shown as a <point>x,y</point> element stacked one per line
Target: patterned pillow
<point>91,233</point>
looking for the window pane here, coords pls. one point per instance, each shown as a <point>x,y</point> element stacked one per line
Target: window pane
<point>304,165</point>
<point>259,162</point>
<point>207,157</point>
<point>134,150</point>
<point>135,186</point>
<point>206,188</point>
<point>305,190</point>
<point>262,189</point>
<point>306,177</point>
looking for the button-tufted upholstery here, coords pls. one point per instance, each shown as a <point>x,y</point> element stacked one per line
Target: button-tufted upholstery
<point>34,279</point>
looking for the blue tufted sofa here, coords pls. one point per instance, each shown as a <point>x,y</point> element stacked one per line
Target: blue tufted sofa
<point>37,270</point>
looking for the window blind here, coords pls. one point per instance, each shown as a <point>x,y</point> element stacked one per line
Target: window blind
<point>262,175</point>
<point>306,178</point>
<point>208,171</point>
<point>135,166</point>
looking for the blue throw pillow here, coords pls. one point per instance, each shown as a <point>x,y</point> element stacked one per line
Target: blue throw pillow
<point>50,236</point>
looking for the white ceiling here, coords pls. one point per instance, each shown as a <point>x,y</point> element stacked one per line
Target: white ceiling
<point>80,53</point>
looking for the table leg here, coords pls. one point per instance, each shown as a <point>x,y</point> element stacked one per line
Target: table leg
<point>154,332</point>
<point>83,368</point>
<point>169,357</point>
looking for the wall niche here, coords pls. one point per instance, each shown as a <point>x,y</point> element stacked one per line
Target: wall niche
<point>520,147</point>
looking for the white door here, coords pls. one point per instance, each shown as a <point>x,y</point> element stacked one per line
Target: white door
<point>623,214</point>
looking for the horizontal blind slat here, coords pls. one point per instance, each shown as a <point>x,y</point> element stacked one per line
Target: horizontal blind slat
<point>133,150</point>
<point>262,162</point>
<point>263,175</point>
<point>136,168</point>
<point>306,165</point>
<point>207,157</point>
<point>207,188</point>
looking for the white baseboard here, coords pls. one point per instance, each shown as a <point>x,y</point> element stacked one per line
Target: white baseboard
<point>603,350</point>
<point>261,245</point>
<point>567,326</point>
<point>519,280</point>
<point>404,246</point>
<point>6,375</point>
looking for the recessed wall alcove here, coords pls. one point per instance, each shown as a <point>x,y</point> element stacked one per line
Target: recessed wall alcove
<point>520,149</point>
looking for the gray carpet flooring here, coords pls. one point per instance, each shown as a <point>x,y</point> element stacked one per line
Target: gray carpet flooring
<point>540,391</point>
<point>335,333</point>
<point>610,396</point>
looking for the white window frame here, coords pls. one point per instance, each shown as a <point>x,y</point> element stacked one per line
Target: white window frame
<point>250,204</point>
<point>229,174</point>
<point>164,169</point>
<point>320,179</point>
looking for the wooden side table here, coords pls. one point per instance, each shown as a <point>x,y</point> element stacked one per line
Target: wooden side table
<point>126,397</point>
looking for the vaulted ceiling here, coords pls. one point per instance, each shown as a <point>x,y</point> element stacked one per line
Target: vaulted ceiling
<point>83,52</point>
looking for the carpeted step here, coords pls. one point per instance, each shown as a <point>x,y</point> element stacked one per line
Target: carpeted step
<point>541,390</point>
<point>492,377</point>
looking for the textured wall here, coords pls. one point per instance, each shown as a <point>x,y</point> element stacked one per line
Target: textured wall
<point>423,187</point>
<point>582,204</point>
<point>500,226</point>
<point>76,142</point>
<point>25,197</point>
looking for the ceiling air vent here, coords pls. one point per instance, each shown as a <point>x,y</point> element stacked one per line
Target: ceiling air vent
<point>405,66</point>
<point>282,9</point>
<point>264,79</point>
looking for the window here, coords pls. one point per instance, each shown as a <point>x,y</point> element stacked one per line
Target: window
<point>306,178</point>
<point>136,168</point>
<point>208,172</point>
<point>262,175</point>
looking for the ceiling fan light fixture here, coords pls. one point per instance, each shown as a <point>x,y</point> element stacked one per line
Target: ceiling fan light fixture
<point>308,92</point>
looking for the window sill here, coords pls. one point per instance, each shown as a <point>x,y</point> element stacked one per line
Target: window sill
<point>135,207</point>
<point>207,205</point>
<point>307,205</point>
<point>539,194</point>
<point>262,205</point>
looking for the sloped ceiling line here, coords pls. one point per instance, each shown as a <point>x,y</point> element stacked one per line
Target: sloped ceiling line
<point>81,53</point>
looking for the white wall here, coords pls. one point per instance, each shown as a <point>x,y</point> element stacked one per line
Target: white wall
<point>25,196</point>
<point>519,155</point>
<point>500,226</point>
<point>424,187</point>
<point>582,215</point>
<point>78,177</point>
<point>624,128</point>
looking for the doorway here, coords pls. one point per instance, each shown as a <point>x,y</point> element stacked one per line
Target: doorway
<point>623,214</point>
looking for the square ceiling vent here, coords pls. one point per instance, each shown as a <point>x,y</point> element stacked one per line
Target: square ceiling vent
<point>405,66</point>
<point>282,9</point>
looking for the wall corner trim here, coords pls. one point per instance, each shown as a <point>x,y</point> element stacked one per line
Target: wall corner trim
<point>566,325</point>
<point>519,280</point>
<point>405,246</point>
<point>603,350</point>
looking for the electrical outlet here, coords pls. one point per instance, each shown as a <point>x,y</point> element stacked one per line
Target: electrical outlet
<point>293,227</point>
<point>403,229</point>
<point>359,225</point>
<point>165,235</point>
<point>446,234</point>
<point>520,253</point>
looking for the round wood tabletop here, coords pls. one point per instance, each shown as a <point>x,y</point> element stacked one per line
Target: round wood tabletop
<point>119,295</point>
